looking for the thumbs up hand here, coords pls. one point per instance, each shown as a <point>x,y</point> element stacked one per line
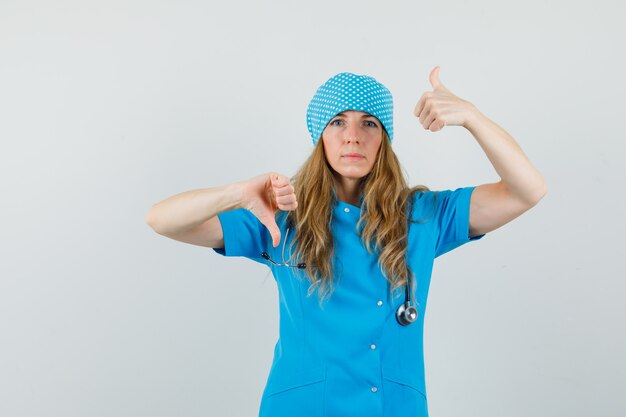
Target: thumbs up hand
<point>439,108</point>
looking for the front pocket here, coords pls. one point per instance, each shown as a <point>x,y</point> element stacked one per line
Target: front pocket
<point>295,394</point>
<point>405,393</point>
<point>403,377</point>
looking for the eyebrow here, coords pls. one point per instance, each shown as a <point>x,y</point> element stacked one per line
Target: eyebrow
<point>362,116</point>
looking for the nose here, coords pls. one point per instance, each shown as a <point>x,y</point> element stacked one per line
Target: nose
<point>352,134</point>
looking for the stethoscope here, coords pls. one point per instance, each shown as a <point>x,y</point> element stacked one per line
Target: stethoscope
<point>406,313</point>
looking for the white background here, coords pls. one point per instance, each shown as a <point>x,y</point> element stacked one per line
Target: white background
<point>107,107</point>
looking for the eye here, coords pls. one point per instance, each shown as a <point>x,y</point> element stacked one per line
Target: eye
<point>336,120</point>
<point>373,124</point>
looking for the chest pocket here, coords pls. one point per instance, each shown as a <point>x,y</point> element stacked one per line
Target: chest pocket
<point>405,394</point>
<point>289,393</point>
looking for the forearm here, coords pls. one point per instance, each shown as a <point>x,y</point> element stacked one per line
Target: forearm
<point>189,209</point>
<point>515,170</point>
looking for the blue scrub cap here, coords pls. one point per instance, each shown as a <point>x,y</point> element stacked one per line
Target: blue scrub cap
<point>347,91</point>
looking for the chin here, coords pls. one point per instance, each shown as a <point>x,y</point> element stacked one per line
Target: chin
<point>352,174</point>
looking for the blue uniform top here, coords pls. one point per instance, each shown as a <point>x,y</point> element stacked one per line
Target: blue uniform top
<point>350,357</point>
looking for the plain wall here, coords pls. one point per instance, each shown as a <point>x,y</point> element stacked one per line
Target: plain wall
<point>107,107</point>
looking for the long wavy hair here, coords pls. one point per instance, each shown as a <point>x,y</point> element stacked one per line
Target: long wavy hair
<point>386,199</point>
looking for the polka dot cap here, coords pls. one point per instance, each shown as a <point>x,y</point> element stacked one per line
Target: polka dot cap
<point>347,91</point>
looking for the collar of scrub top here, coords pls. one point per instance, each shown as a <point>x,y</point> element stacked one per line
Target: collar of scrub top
<point>300,265</point>
<point>339,201</point>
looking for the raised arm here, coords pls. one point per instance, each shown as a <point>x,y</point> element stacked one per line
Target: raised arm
<point>520,187</point>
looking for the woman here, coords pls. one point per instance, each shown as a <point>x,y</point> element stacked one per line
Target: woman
<point>347,228</point>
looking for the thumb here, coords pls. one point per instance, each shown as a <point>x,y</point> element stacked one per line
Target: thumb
<point>270,223</point>
<point>434,79</point>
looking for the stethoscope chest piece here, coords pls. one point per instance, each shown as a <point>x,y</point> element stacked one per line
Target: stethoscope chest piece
<point>406,314</point>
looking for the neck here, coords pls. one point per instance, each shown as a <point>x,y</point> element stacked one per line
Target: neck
<point>348,190</point>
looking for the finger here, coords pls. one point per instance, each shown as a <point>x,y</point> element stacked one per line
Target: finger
<point>286,200</point>
<point>436,126</point>
<point>423,117</point>
<point>433,114</point>
<point>286,190</point>
<point>419,107</point>
<point>289,207</point>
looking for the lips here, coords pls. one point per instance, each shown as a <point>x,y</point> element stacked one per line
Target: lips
<point>353,157</point>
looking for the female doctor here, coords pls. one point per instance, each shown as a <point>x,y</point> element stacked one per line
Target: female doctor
<point>351,246</point>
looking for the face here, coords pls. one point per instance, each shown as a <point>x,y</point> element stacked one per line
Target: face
<point>352,132</point>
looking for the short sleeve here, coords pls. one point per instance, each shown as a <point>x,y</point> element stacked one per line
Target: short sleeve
<point>244,235</point>
<point>452,219</point>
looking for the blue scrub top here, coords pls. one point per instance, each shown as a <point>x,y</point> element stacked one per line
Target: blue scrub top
<point>350,357</point>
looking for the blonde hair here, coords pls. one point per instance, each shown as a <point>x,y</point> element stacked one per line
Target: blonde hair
<point>387,198</point>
